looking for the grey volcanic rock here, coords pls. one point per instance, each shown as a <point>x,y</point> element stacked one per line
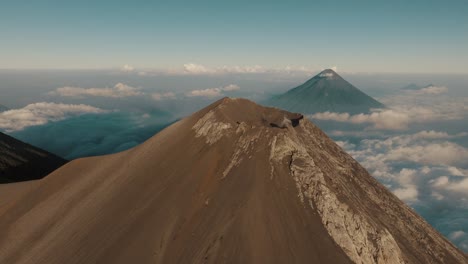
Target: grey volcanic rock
<point>20,161</point>
<point>327,91</point>
<point>221,186</point>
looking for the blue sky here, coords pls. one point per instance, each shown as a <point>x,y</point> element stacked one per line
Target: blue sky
<point>356,36</point>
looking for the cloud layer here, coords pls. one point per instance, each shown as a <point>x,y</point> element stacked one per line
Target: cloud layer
<point>386,119</point>
<point>427,171</point>
<point>90,135</point>
<point>432,90</point>
<point>414,107</point>
<point>213,92</point>
<point>199,69</point>
<point>162,96</point>
<point>42,113</point>
<point>120,90</point>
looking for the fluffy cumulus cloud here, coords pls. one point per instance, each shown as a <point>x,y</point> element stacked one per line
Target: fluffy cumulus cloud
<point>127,68</point>
<point>457,234</point>
<point>386,119</point>
<point>120,90</point>
<point>404,111</point>
<point>162,96</point>
<point>425,107</point>
<point>425,147</point>
<point>428,152</point>
<point>193,68</point>
<point>213,92</point>
<point>443,153</point>
<point>42,113</point>
<point>447,184</point>
<point>429,89</point>
<point>414,106</point>
<point>408,190</point>
<point>427,170</point>
<point>432,90</point>
<point>198,69</point>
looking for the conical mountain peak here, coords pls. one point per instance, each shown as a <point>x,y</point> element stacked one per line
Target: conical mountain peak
<point>326,91</point>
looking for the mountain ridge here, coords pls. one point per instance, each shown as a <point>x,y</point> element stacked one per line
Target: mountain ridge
<point>234,182</point>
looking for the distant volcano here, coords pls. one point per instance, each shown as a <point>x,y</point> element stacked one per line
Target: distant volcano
<point>327,91</point>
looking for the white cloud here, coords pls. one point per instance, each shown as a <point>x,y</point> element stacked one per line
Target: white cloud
<point>425,107</point>
<point>193,68</point>
<point>339,117</point>
<point>425,170</point>
<point>448,184</point>
<point>432,89</point>
<point>345,145</point>
<point>385,119</point>
<point>161,96</point>
<point>42,113</point>
<point>231,87</point>
<point>444,153</point>
<point>406,110</point>
<point>457,234</point>
<point>213,92</point>
<point>120,90</point>
<point>127,68</point>
<point>457,171</point>
<point>210,92</point>
<point>198,69</point>
<point>408,191</point>
<point>334,68</point>
<point>408,194</point>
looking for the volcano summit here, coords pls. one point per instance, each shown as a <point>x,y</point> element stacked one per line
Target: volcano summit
<point>233,183</point>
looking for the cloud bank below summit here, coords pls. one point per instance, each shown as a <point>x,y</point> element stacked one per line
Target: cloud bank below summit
<point>120,90</point>
<point>42,113</point>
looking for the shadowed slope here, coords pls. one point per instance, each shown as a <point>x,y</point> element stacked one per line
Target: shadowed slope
<point>20,161</point>
<point>234,182</point>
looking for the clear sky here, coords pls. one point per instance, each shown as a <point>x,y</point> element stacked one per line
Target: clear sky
<point>357,36</point>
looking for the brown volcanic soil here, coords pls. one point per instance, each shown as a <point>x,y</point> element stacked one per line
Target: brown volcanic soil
<point>21,162</point>
<point>233,183</point>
